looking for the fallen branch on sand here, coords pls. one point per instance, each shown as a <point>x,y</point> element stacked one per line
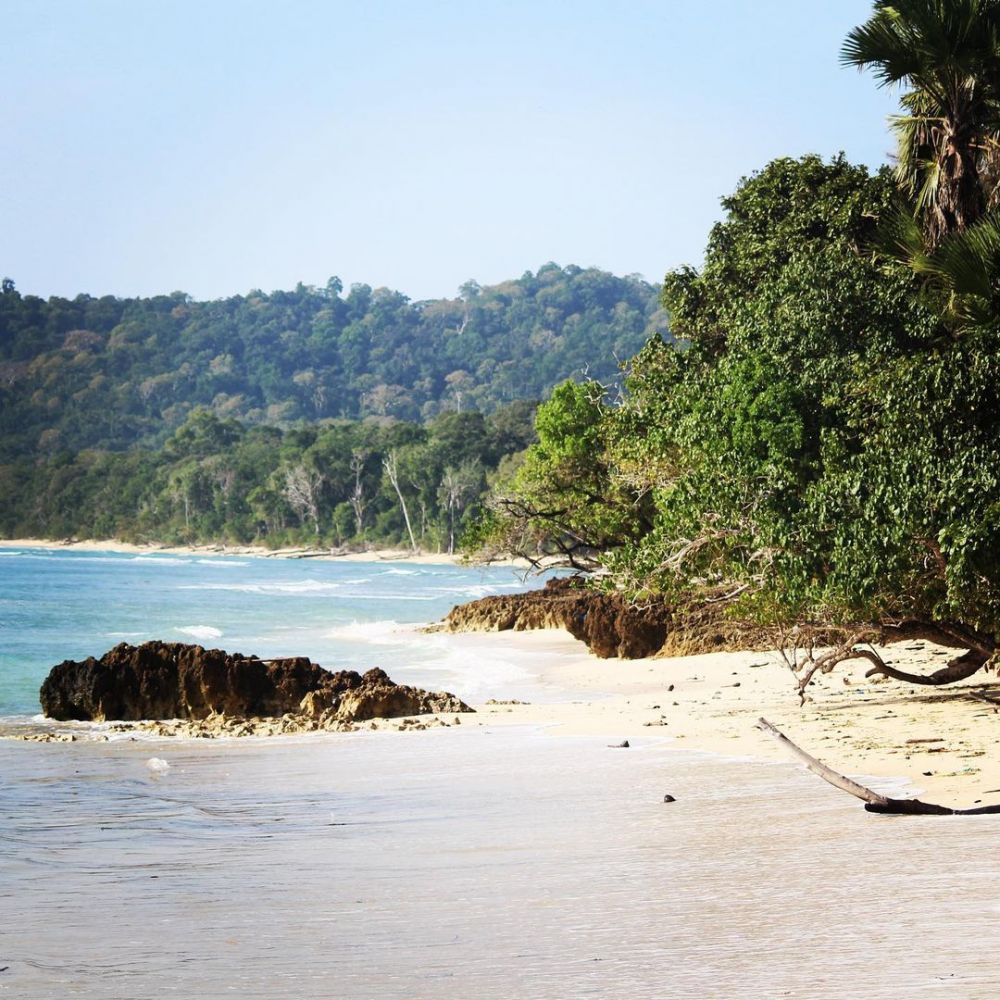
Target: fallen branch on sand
<point>874,802</point>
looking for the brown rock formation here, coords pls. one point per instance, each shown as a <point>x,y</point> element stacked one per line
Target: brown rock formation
<point>609,624</point>
<point>172,680</point>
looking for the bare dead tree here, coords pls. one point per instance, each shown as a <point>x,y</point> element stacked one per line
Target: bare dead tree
<point>874,801</point>
<point>302,486</point>
<point>456,484</point>
<point>357,498</point>
<point>808,650</point>
<point>390,463</point>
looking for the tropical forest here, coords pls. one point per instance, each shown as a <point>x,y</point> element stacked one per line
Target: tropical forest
<point>818,443</point>
<point>802,432</point>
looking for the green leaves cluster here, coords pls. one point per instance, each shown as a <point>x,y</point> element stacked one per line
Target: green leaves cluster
<point>113,373</point>
<point>818,448</point>
<point>218,480</point>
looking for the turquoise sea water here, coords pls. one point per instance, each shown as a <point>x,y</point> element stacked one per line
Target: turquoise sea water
<point>57,605</point>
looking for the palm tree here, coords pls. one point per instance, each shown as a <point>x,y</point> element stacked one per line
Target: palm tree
<point>960,276</point>
<point>947,53</point>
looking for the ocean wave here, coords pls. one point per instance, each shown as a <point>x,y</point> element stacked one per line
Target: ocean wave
<point>375,632</point>
<point>296,587</point>
<point>162,560</point>
<point>401,572</point>
<point>124,635</point>
<point>200,631</point>
<point>221,563</point>
<point>392,597</point>
<point>474,591</point>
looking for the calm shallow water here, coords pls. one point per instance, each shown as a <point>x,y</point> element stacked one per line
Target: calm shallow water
<point>475,864</point>
<point>468,862</point>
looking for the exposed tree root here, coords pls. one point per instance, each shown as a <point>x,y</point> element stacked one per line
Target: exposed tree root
<point>874,802</point>
<point>799,648</point>
<point>954,670</point>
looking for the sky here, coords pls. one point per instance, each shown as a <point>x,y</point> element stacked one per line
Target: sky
<point>214,147</point>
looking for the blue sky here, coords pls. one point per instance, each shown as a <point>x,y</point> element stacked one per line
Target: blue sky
<point>215,147</point>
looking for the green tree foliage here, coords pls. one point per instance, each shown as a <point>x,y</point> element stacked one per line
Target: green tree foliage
<point>568,498</point>
<point>219,480</point>
<point>946,53</point>
<point>820,450</point>
<point>116,373</point>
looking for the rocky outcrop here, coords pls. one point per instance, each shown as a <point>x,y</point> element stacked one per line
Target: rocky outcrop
<point>609,624</point>
<point>172,680</point>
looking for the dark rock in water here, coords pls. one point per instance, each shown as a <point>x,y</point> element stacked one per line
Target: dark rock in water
<point>173,680</point>
<point>669,798</point>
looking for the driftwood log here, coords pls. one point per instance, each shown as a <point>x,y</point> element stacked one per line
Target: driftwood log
<point>874,802</point>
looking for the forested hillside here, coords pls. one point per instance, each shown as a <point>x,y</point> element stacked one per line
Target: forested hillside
<point>214,480</point>
<point>111,373</point>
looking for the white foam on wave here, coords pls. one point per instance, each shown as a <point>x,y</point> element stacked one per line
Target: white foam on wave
<point>162,560</point>
<point>472,590</point>
<point>392,597</point>
<point>374,632</point>
<point>401,572</point>
<point>306,588</point>
<point>200,631</point>
<point>474,671</point>
<point>124,635</point>
<point>295,587</point>
<point>221,563</point>
<point>8,552</point>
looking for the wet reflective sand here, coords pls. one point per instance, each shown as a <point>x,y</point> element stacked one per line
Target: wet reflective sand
<point>474,864</point>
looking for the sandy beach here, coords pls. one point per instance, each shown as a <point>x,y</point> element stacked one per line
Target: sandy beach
<point>941,743</point>
<point>941,740</point>
<point>113,545</point>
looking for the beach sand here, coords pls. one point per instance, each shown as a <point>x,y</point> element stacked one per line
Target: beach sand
<point>112,545</point>
<point>941,740</point>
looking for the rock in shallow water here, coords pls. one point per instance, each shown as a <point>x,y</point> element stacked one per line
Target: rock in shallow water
<point>173,680</point>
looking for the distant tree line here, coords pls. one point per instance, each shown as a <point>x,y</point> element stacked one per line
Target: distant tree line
<point>343,483</point>
<point>111,374</point>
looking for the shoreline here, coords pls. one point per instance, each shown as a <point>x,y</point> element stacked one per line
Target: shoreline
<point>940,742</point>
<point>257,551</point>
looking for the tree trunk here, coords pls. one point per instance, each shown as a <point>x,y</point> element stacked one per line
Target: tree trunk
<point>390,465</point>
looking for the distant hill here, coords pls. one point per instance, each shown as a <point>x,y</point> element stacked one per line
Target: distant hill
<point>113,373</point>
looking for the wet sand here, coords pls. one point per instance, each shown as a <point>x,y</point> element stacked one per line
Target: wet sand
<point>523,852</point>
<point>494,862</point>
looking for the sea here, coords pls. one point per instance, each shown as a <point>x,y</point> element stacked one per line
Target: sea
<point>471,862</point>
